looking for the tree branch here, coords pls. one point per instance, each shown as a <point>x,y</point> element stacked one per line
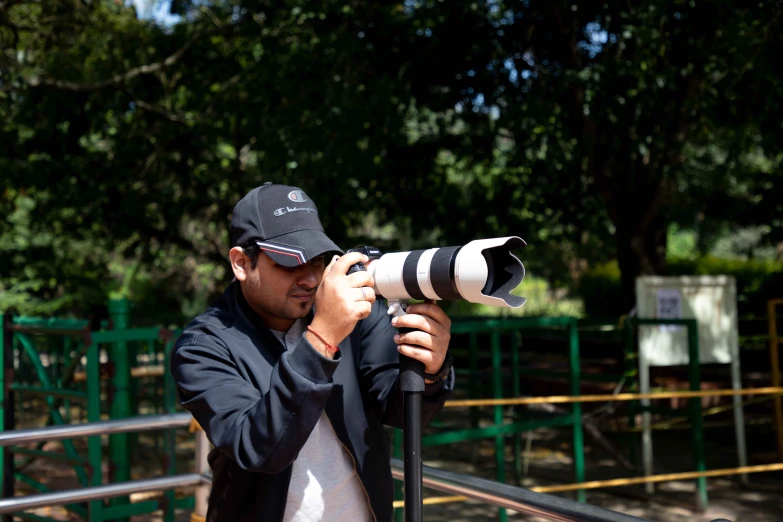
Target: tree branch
<point>158,110</point>
<point>122,77</point>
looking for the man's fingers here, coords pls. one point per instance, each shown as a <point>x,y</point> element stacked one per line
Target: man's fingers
<point>416,337</point>
<point>432,361</point>
<point>359,279</point>
<point>351,258</point>
<point>363,309</point>
<point>430,309</point>
<point>420,322</point>
<point>330,265</point>
<point>365,293</point>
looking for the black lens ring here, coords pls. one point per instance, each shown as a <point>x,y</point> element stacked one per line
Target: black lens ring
<point>410,277</point>
<point>442,273</point>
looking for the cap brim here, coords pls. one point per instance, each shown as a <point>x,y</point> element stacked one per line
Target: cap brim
<point>297,248</point>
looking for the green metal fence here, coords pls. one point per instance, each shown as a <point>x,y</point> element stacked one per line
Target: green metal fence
<point>86,375</point>
<point>505,338</point>
<point>116,371</point>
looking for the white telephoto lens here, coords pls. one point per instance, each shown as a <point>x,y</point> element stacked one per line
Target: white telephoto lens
<point>485,272</point>
<point>387,272</point>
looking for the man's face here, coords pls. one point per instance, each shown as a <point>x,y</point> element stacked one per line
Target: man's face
<point>281,295</point>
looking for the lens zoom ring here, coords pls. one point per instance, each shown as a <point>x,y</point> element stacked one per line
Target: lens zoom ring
<point>409,276</point>
<point>442,273</point>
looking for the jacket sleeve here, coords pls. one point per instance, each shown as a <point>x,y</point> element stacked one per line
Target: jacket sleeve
<point>260,432</point>
<point>379,372</point>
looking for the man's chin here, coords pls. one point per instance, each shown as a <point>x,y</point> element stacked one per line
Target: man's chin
<point>302,309</point>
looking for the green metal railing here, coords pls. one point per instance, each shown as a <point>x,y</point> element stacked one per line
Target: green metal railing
<point>60,360</point>
<point>510,329</point>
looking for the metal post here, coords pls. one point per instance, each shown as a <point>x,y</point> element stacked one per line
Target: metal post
<point>474,392</point>
<point>631,374</point>
<point>774,360</point>
<point>579,450</point>
<point>95,507</point>
<point>694,376</point>
<point>398,490</point>
<point>736,384</point>
<point>66,357</point>
<point>202,468</point>
<point>515,390</point>
<point>169,437</point>
<point>6,408</point>
<point>412,385</point>
<point>644,387</point>
<point>119,449</point>
<point>497,384</point>
<point>474,383</point>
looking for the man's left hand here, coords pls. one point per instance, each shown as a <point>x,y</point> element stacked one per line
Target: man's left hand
<point>429,341</point>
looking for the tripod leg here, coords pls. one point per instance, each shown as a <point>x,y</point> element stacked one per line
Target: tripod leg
<point>412,385</point>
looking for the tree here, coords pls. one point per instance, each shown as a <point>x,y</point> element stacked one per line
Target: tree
<point>581,127</point>
<point>614,101</point>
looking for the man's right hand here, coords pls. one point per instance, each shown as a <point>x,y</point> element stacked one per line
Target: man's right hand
<point>339,301</point>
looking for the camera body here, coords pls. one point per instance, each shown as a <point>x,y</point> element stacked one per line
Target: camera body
<point>482,271</point>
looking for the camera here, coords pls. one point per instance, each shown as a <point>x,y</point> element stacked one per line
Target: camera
<point>483,271</point>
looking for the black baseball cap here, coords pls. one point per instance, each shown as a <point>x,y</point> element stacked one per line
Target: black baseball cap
<point>283,221</point>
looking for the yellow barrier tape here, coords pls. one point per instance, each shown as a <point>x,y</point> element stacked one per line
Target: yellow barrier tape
<point>432,500</point>
<point>705,413</point>
<point>596,484</point>
<point>610,397</point>
<point>687,475</point>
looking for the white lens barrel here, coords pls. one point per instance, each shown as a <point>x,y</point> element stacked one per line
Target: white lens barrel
<point>423,274</point>
<point>483,271</point>
<point>388,276</point>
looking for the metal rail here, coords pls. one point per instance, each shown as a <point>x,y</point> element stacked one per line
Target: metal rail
<point>55,498</point>
<point>109,427</point>
<point>512,497</point>
<point>475,488</point>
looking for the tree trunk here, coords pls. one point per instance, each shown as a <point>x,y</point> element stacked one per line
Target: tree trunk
<point>641,243</point>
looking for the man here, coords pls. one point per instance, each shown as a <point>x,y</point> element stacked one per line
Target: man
<point>293,373</point>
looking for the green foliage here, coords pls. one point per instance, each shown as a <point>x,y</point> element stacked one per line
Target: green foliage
<point>599,289</point>
<point>587,129</point>
<point>757,280</point>
<point>542,300</point>
<point>47,271</point>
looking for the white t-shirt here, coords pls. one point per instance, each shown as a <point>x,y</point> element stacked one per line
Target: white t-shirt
<point>324,485</point>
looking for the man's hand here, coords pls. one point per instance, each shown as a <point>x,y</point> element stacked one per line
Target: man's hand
<point>342,300</point>
<point>430,340</point>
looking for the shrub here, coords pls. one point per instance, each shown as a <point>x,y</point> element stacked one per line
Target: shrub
<point>758,280</point>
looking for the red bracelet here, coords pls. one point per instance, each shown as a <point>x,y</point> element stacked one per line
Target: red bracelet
<point>329,347</point>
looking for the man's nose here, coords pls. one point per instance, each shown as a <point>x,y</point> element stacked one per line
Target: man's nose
<point>308,276</point>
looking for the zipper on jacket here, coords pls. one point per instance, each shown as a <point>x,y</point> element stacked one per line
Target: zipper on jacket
<point>355,470</point>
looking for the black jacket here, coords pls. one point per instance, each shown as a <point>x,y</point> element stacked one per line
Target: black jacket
<point>259,403</point>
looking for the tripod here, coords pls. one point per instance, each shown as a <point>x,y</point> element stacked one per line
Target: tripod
<point>412,386</point>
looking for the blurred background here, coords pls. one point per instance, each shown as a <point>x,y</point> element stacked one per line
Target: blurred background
<point>619,139</point>
<point>616,138</point>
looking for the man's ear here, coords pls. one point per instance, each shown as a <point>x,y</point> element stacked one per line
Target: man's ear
<point>240,263</point>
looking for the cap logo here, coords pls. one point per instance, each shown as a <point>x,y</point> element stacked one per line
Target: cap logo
<point>297,196</point>
<point>286,210</point>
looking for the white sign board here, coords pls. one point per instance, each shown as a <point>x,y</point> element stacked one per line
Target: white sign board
<point>711,300</point>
